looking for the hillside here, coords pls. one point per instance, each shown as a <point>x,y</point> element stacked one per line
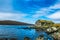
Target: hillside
<point>10,22</point>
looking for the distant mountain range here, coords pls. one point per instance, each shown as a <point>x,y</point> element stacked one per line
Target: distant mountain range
<point>10,22</point>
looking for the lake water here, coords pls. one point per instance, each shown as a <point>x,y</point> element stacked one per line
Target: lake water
<point>18,31</point>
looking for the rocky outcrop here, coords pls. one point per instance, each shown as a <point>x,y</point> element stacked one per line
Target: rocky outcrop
<point>53,29</point>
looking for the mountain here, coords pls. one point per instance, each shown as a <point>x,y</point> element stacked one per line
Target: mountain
<point>10,22</point>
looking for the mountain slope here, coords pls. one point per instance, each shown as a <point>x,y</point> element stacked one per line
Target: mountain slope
<point>10,22</point>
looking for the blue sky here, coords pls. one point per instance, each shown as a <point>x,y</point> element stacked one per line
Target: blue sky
<point>30,10</point>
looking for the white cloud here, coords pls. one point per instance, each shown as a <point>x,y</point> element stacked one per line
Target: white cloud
<point>56,6</point>
<point>12,16</point>
<point>55,15</point>
<point>40,12</point>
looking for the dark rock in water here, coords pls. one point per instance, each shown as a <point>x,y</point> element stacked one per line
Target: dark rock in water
<point>27,38</point>
<point>13,39</point>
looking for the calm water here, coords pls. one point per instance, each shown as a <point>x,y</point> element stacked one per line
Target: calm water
<point>17,31</point>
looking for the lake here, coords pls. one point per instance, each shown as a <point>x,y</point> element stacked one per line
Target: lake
<point>20,32</point>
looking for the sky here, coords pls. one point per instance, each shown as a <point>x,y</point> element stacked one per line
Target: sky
<point>30,11</point>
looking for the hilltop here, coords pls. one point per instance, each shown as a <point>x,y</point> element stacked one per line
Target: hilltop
<point>10,22</point>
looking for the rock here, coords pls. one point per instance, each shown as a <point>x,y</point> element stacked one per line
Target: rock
<point>27,38</point>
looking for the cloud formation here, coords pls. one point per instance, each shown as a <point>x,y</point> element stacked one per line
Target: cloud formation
<point>29,10</point>
<point>12,16</point>
<point>55,16</point>
<point>48,10</point>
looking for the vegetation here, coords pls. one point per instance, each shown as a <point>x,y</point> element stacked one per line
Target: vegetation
<point>53,29</point>
<point>43,23</point>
